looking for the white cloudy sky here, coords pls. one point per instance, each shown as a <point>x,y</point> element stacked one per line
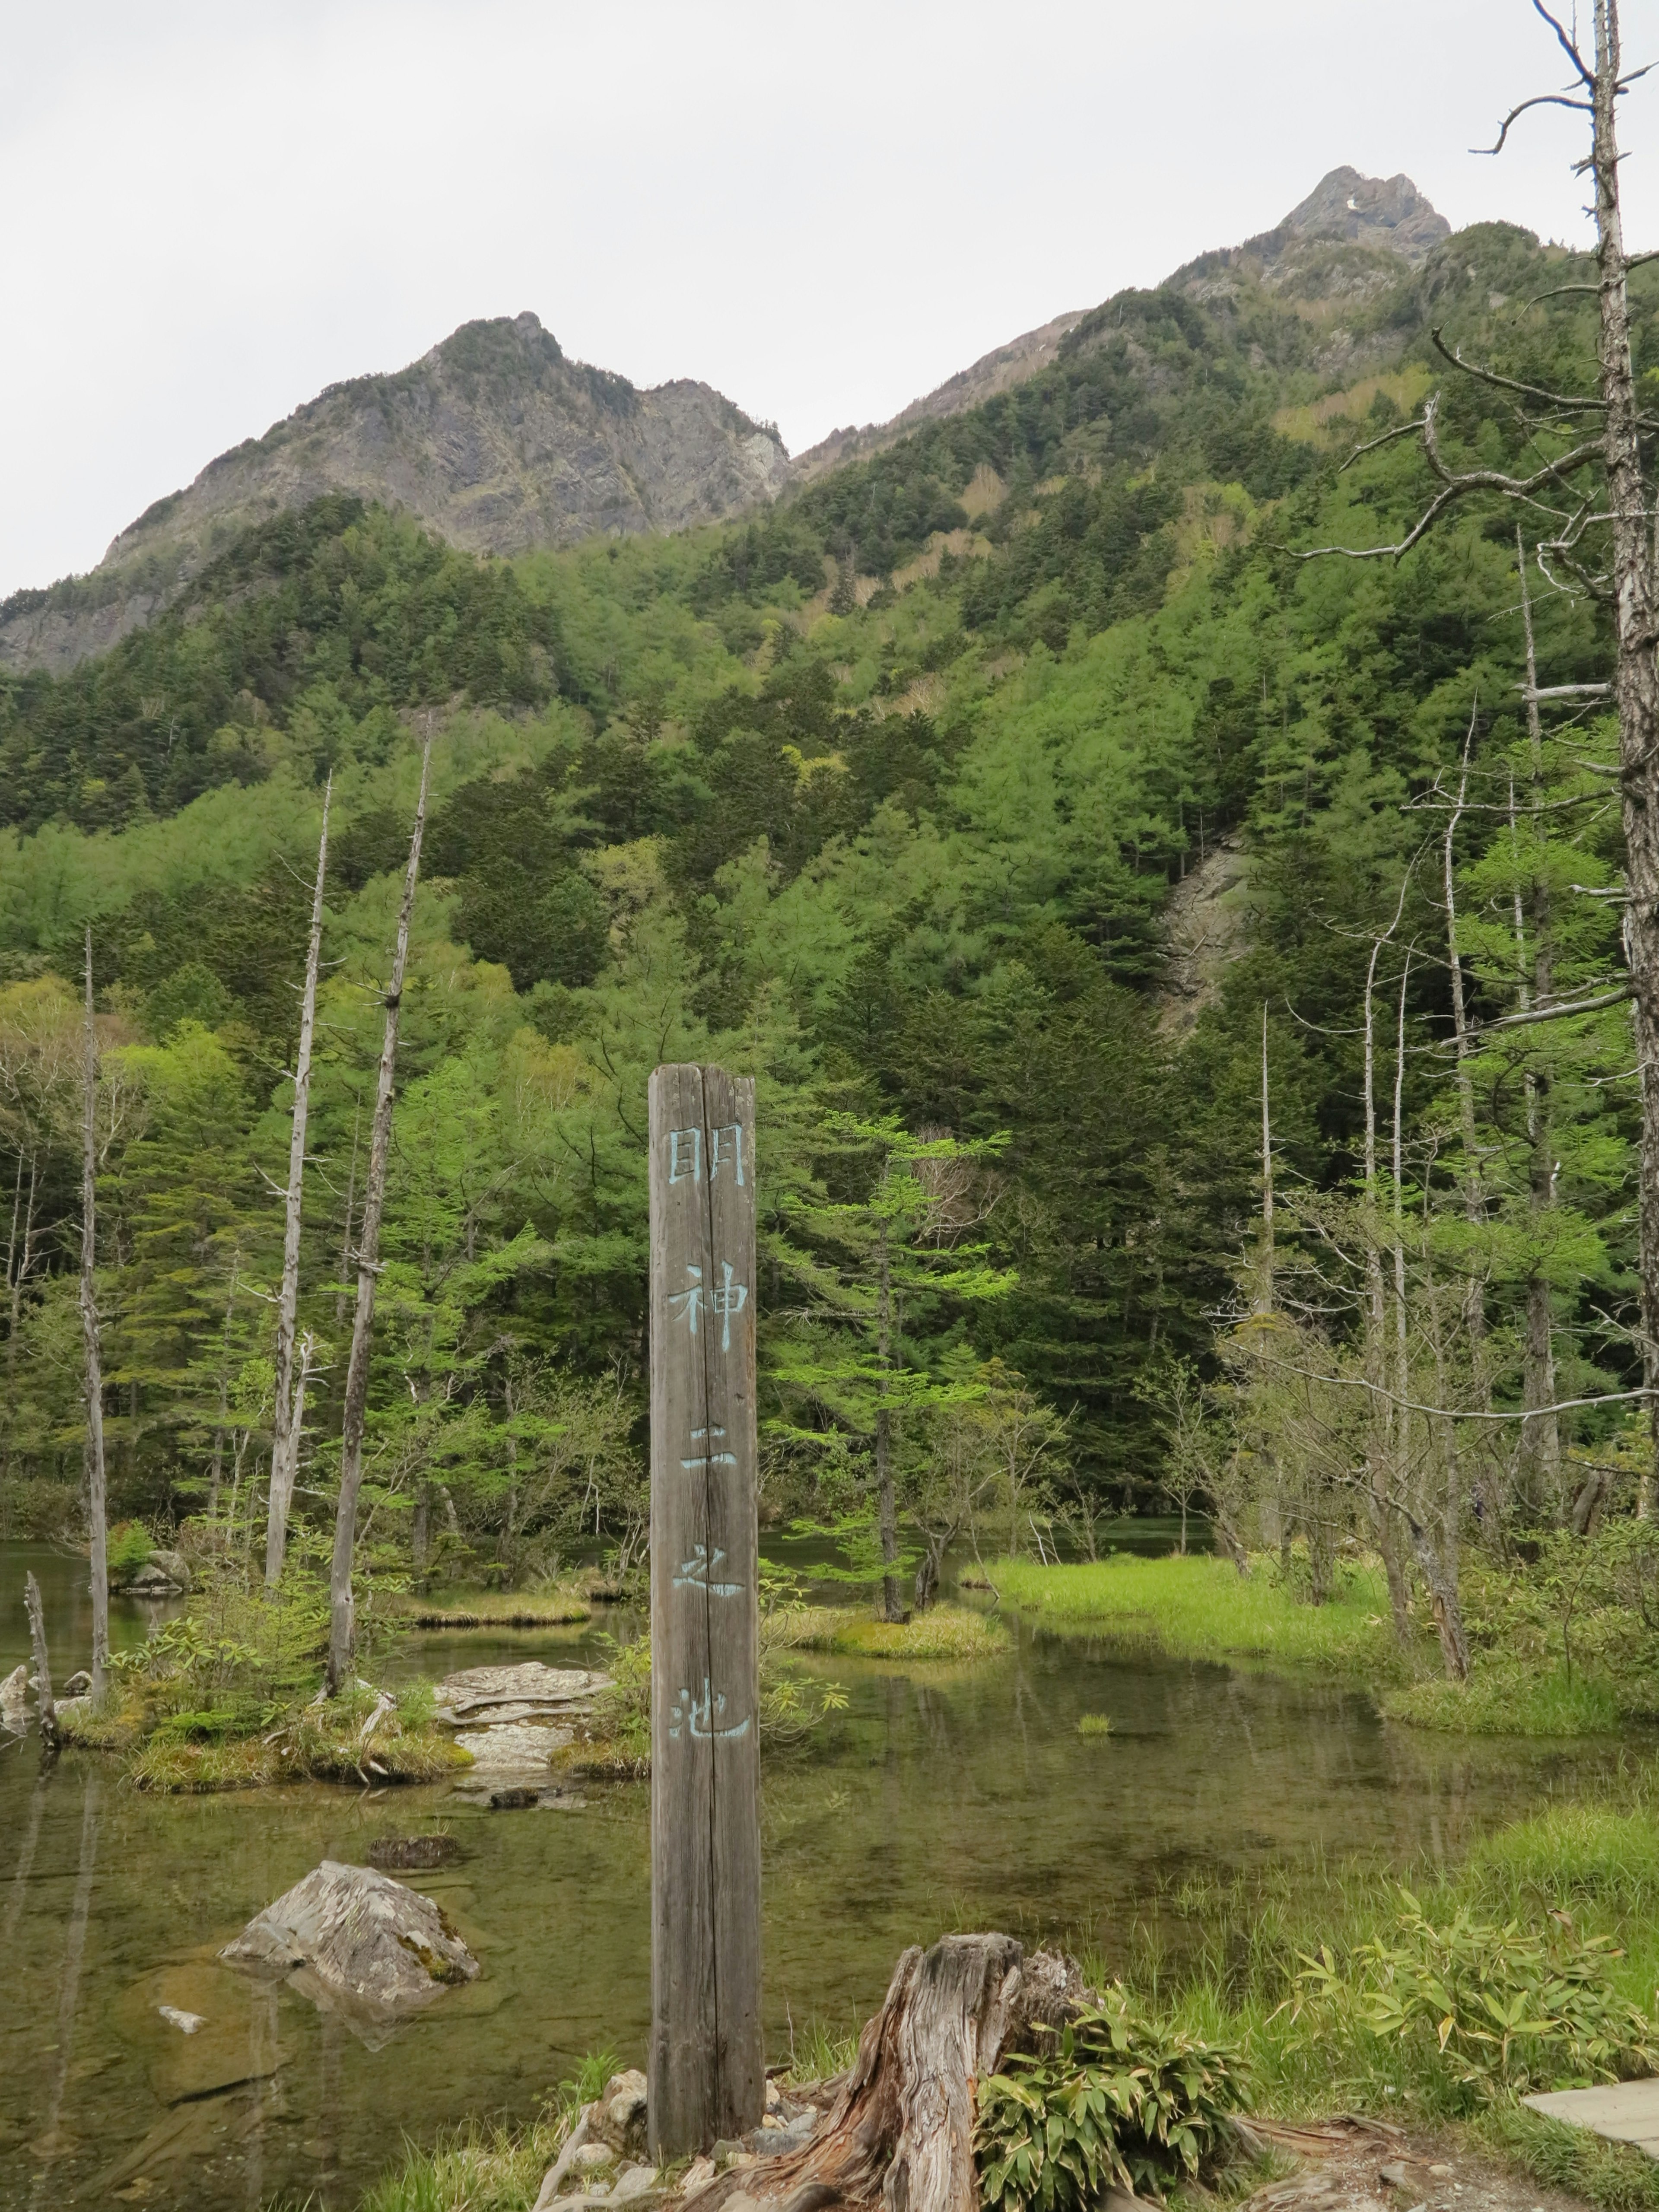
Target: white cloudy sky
<point>212,207</point>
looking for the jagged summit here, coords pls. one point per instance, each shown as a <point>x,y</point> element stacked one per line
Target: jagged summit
<point>494,437</point>
<point>1389,212</point>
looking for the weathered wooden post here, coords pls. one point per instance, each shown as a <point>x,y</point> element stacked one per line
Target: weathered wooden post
<point>707,2060</point>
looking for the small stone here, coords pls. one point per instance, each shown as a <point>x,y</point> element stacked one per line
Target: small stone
<point>726,2149</point>
<point>1443,2172</point>
<point>632,2181</point>
<point>591,2155</point>
<point>78,1684</point>
<point>185,2023</point>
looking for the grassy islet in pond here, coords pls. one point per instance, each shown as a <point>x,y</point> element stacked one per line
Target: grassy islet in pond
<point>1204,1608</point>
<point>1095,1724</point>
<point>944,1632</point>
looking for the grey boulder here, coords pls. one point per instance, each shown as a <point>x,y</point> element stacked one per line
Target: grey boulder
<point>360,1936</point>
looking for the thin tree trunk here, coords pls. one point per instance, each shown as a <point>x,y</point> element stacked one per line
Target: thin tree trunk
<point>1377,1360</point>
<point>341,1619</point>
<point>1474,1304</point>
<point>46,1705</point>
<point>351,1203</point>
<point>96,1513</point>
<point>886,1498</point>
<point>1636,677</point>
<point>1265,1284</point>
<point>285,1429</point>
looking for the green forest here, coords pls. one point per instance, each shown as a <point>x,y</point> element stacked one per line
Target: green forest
<point>902,797</point>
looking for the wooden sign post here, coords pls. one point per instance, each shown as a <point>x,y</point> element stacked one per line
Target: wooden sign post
<point>706,2061</point>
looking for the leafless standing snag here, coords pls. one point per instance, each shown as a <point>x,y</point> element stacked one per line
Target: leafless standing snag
<point>1598,485</point>
<point>46,1705</point>
<point>341,1613</point>
<point>286,1417</point>
<point>96,1513</point>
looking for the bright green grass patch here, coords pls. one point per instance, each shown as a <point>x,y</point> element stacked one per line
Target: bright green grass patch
<point>1205,1609</point>
<point>1095,1724</point>
<point>483,2169</point>
<point>944,1632</point>
<point>554,1608</point>
<point>1572,1853</point>
<point>1506,1701</point>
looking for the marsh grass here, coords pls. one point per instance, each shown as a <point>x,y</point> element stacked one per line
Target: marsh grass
<point>1095,1724</point>
<point>493,1609</point>
<point>1203,1608</point>
<point>944,1632</point>
<point>485,2169</point>
<point>819,2053</point>
<point>1498,1700</point>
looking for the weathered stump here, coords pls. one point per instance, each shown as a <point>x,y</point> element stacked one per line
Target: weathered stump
<point>900,2132</point>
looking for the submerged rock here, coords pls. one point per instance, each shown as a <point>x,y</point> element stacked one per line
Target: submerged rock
<point>362,1936</point>
<point>410,1851</point>
<point>187,2023</point>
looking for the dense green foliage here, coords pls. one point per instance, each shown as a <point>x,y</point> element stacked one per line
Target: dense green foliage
<point>903,823</point>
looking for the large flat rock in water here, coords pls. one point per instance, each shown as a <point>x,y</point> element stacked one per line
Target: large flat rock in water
<point>364,1936</point>
<point>480,1696</point>
<point>1623,2111</point>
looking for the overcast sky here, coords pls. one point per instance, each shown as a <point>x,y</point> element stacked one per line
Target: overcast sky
<point>212,211</point>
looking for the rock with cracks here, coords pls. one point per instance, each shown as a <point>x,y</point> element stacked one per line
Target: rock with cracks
<point>901,2128</point>
<point>350,1934</point>
<point>487,1697</point>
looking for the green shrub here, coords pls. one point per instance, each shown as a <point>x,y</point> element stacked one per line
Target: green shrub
<point>1503,2008</point>
<point>1115,2100</point>
<point>1095,1724</point>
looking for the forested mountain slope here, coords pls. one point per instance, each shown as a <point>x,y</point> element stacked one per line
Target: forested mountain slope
<point>494,439</point>
<point>880,795</point>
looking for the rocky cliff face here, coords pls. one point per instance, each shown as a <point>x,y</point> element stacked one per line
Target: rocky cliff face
<point>500,444</point>
<point>495,438</point>
<point>1342,244</point>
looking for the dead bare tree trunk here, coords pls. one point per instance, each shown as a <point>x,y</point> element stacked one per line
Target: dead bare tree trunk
<point>886,1498</point>
<point>901,2130</point>
<point>351,1205</point>
<point>285,1431</point>
<point>1382,1419</point>
<point>46,1705</point>
<point>341,1615</point>
<point>97,1513</point>
<point>1265,1283</point>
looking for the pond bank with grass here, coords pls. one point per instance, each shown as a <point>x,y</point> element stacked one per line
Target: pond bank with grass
<point>1203,1608</point>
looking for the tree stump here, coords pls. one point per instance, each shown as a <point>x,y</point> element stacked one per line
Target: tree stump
<point>900,2132</point>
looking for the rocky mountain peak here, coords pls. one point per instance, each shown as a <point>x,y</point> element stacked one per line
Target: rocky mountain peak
<point>1378,212</point>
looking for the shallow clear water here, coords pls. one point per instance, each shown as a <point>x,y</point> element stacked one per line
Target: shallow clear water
<point>951,1798</point>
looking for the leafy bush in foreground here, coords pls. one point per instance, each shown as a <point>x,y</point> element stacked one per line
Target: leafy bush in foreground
<point>1117,2099</point>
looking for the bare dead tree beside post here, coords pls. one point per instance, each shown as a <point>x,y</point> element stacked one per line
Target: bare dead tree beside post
<point>341,1613</point>
<point>97,1513</point>
<point>285,1422</point>
<point>46,1705</point>
<point>1598,483</point>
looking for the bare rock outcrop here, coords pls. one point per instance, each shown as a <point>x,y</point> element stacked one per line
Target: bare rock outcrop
<point>494,438</point>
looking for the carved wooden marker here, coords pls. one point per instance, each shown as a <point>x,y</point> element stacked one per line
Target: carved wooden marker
<point>707,2060</point>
